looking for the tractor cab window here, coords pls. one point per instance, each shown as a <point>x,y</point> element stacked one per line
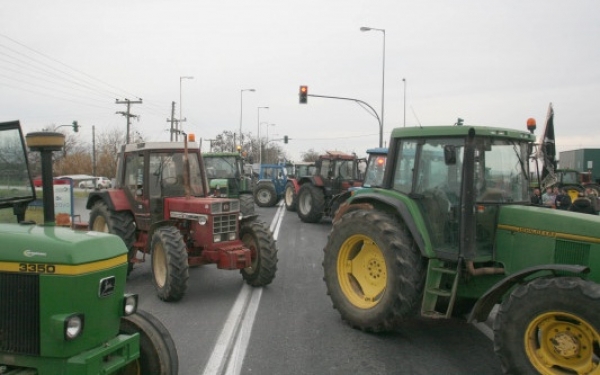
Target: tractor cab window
<point>403,175</point>
<point>134,174</point>
<point>166,171</point>
<point>325,168</point>
<point>375,170</point>
<point>222,167</point>
<point>501,171</point>
<point>345,169</point>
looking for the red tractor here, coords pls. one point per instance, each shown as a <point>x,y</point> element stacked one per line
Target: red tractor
<point>322,193</point>
<point>294,173</point>
<point>161,206</point>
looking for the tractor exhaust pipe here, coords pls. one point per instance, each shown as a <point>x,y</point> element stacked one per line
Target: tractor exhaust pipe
<point>483,270</point>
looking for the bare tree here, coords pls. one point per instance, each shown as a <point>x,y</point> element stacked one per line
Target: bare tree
<point>310,156</point>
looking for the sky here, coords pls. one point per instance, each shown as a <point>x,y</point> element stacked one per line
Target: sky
<point>494,62</point>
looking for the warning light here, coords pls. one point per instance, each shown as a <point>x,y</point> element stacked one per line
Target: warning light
<point>303,94</point>
<point>191,137</point>
<point>380,161</point>
<point>531,125</point>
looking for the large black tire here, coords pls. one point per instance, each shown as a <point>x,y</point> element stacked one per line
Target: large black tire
<point>374,272</point>
<point>121,223</point>
<point>158,353</point>
<point>247,204</point>
<point>289,197</point>
<point>258,238</point>
<point>550,326</point>
<point>265,195</point>
<point>170,268</point>
<point>311,203</point>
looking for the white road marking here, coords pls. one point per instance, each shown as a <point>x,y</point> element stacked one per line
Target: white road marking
<point>229,351</point>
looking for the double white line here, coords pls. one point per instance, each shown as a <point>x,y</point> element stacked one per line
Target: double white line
<point>229,352</point>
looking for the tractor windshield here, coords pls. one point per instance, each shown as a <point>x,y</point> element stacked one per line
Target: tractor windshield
<point>375,170</point>
<point>166,170</point>
<point>222,167</point>
<point>15,184</point>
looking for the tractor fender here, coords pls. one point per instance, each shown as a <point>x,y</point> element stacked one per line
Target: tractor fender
<point>396,205</point>
<point>484,305</point>
<point>315,180</point>
<point>294,183</point>
<point>115,199</point>
<point>248,218</point>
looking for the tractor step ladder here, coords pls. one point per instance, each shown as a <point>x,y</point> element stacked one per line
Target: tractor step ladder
<point>436,269</point>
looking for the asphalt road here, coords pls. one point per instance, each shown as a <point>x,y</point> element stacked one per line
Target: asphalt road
<point>223,326</point>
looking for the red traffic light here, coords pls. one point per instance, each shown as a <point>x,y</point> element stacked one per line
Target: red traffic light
<point>303,94</point>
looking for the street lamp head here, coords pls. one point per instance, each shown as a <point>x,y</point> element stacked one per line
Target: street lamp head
<point>186,77</point>
<point>365,28</point>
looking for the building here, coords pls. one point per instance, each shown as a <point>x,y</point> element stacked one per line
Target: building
<point>582,160</point>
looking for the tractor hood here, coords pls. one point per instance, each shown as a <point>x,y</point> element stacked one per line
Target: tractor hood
<point>177,206</point>
<point>44,244</point>
<point>550,222</point>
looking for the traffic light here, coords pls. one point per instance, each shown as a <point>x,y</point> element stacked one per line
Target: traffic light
<point>285,139</point>
<point>75,126</point>
<point>303,94</point>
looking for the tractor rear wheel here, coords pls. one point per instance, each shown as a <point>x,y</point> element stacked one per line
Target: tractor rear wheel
<point>258,238</point>
<point>290,197</point>
<point>374,272</point>
<point>121,223</point>
<point>247,204</point>
<point>169,264</point>
<point>548,326</point>
<point>265,195</point>
<point>158,354</point>
<point>311,203</point>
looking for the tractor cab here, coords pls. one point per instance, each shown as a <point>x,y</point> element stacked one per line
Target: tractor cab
<point>487,169</point>
<point>225,174</point>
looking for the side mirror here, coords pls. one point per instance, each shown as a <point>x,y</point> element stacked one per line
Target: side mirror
<point>450,154</point>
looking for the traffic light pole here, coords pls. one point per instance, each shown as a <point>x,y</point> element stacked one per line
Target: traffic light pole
<point>361,103</point>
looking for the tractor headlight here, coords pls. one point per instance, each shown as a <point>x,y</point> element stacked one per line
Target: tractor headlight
<point>202,219</point>
<point>231,236</point>
<point>217,238</point>
<point>130,303</point>
<point>73,326</point>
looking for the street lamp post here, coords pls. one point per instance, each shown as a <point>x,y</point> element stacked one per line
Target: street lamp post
<point>241,109</point>
<point>267,142</point>
<point>259,141</point>
<point>382,83</point>
<point>181,119</point>
<point>404,80</point>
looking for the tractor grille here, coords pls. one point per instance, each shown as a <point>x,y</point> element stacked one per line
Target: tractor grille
<point>19,313</point>
<point>225,224</point>
<point>570,252</point>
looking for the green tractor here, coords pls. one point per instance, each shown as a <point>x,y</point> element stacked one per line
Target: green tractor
<point>451,230</point>
<point>63,306</point>
<point>226,178</point>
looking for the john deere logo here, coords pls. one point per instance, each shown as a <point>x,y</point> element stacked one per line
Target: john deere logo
<point>107,286</point>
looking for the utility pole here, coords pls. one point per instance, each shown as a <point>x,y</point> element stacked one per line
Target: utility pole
<point>94,150</point>
<point>127,114</point>
<point>174,122</point>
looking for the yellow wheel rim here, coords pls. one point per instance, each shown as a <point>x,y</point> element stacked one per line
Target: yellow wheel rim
<point>159,265</point>
<point>100,224</point>
<point>559,343</point>
<point>248,240</point>
<point>362,272</point>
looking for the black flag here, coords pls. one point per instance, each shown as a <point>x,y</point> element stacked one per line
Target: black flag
<point>548,149</point>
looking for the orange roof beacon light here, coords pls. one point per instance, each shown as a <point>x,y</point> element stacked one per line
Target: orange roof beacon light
<point>191,137</point>
<point>531,125</point>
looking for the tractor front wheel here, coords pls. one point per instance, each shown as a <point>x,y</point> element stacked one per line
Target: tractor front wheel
<point>374,272</point>
<point>265,195</point>
<point>311,203</point>
<point>121,223</point>
<point>549,326</point>
<point>290,197</point>
<point>257,237</point>
<point>158,354</point>
<point>170,268</point>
